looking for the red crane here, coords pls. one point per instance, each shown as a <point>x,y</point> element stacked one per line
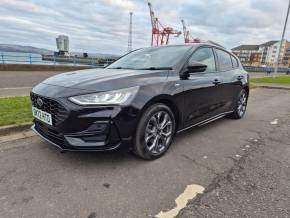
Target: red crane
<point>187,37</point>
<point>160,34</point>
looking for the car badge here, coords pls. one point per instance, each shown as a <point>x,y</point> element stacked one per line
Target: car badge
<point>39,102</point>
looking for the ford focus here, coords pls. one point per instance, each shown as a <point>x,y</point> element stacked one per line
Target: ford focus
<point>141,101</point>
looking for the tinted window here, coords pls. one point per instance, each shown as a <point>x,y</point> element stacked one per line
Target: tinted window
<point>235,62</point>
<point>157,57</point>
<point>224,59</point>
<point>204,56</point>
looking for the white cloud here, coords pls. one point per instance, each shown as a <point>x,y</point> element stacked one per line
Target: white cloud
<point>123,4</point>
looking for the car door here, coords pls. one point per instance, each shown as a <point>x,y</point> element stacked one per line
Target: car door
<point>202,92</point>
<point>231,74</point>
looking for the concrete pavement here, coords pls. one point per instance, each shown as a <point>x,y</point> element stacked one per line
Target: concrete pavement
<point>38,181</point>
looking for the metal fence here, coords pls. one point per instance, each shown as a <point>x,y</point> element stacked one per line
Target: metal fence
<point>266,69</point>
<point>53,60</point>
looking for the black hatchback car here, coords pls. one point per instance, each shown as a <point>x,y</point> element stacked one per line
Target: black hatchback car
<point>142,100</point>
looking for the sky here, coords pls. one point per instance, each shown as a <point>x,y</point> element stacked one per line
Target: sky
<point>102,26</point>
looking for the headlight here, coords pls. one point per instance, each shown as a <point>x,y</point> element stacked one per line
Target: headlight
<point>119,97</point>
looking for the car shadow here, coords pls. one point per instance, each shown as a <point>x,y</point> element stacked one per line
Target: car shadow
<point>123,156</point>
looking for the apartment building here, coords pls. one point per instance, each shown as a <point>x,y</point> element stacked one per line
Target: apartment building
<point>264,54</point>
<point>248,54</point>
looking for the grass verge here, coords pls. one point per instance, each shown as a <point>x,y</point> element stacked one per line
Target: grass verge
<point>15,110</point>
<point>283,80</point>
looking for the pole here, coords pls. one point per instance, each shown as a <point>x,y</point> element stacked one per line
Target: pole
<point>30,59</point>
<point>130,34</point>
<point>2,55</point>
<point>281,42</point>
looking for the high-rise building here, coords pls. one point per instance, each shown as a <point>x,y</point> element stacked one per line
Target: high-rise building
<point>62,43</point>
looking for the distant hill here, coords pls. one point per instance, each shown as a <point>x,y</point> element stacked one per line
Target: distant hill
<point>24,49</point>
<point>34,50</point>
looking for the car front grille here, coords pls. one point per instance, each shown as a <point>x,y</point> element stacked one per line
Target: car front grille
<point>57,111</point>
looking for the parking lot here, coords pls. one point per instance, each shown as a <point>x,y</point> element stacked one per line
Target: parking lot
<point>36,180</point>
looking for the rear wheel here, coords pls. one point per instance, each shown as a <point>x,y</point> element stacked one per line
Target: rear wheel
<point>155,132</point>
<point>241,105</point>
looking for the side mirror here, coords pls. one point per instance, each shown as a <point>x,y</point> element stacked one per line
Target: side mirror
<point>196,68</point>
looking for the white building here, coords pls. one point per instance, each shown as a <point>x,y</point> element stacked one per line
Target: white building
<point>62,43</point>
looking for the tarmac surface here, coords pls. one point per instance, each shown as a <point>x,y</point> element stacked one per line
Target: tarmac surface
<point>20,83</point>
<point>243,165</point>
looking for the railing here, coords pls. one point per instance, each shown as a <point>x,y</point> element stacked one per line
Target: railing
<point>266,69</point>
<point>53,60</point>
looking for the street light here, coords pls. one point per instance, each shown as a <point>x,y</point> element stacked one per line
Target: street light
<point>281,42</point>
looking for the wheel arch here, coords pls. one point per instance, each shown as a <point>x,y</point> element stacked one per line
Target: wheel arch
<point>169,102</point>
<point>247,88</point>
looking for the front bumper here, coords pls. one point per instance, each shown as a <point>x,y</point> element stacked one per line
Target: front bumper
<point>78,128</point>
<point>78,142</point>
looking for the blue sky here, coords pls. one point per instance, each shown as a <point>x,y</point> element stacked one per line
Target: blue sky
<point>102,25</point>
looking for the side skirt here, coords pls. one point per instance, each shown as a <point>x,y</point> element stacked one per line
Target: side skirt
<point>206,121</point>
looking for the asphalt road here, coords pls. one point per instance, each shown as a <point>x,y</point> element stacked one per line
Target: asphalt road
<point>38,181</point>
<point>18,83</point>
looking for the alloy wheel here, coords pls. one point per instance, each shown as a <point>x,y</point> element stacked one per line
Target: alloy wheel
<point>159,131</point>
<point>242,104</point>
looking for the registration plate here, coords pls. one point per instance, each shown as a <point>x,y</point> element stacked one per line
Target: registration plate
<point>42,115</point>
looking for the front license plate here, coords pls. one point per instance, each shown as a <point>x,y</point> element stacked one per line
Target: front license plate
<point>42,115</point>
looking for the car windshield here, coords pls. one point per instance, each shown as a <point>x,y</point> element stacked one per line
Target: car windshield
<point>152,58</point>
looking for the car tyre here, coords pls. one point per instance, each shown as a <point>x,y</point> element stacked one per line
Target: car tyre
<point>240,105</point>
<point>155,132</point>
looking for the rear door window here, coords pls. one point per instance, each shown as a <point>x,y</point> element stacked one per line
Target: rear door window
<point>224,59</point>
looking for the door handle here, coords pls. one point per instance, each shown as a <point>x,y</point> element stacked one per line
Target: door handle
<point>216,81</point>
<point>240,77</point>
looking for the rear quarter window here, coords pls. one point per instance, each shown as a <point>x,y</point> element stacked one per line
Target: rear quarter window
<point>224,59</point>
<point>235,62</point>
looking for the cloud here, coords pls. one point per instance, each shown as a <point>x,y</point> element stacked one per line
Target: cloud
<point>123,4</point>
<point>102,25</point>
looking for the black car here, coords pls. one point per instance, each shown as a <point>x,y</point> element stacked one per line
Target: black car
<point>142,100</point>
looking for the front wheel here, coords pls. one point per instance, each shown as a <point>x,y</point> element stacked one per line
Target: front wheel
<point>155,132</point>
<point>241,105</point>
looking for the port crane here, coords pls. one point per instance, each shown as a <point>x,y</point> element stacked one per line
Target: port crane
<point>187,37</point>
<point>160,34</point>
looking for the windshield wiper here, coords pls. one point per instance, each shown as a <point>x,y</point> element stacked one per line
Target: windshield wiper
<point>116,68</point>
<point>156,68</point>
<point>120,68</point>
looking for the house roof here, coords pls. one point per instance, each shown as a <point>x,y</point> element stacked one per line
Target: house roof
<point>246,47</point>
<point>270,43</point>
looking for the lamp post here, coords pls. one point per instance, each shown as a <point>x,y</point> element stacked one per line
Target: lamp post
<point>281,42</point>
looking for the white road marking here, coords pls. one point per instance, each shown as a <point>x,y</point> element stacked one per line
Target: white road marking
<point>16,88</point>
<point>189,193</point>
<point>274,122</point>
